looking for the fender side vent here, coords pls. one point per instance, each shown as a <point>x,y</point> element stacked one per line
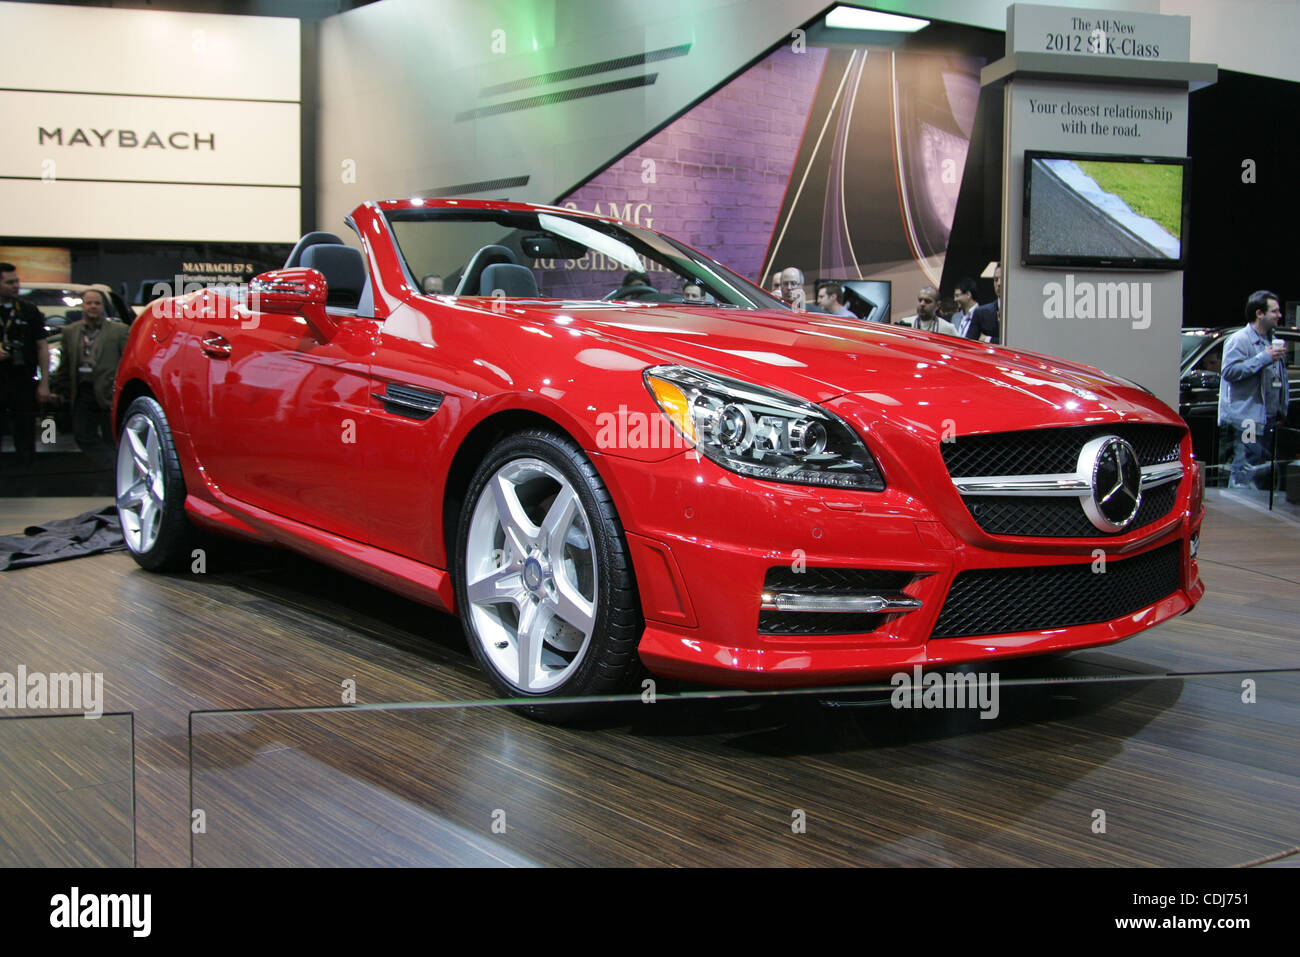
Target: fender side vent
<point>408,401</point>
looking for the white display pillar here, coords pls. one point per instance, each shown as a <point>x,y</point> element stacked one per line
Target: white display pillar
<point>1094,81</point>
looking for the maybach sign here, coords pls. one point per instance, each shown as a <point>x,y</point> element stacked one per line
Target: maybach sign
<point>126,139</point>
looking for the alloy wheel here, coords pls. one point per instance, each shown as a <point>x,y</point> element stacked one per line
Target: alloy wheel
<point>141,487</point>
<point>531,575</point>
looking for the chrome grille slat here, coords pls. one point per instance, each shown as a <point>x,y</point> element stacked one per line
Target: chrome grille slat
<point>1029,483</point>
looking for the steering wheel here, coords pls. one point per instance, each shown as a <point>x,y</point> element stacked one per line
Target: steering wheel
<point>635,293</point>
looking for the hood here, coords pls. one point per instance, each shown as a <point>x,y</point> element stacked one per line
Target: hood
<point>894,370</point>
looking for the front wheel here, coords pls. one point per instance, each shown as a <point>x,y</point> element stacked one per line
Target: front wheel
<point>151,489</point>
<point>543,578</point>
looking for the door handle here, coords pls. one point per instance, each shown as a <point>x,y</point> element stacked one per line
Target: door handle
<point>215,346</point>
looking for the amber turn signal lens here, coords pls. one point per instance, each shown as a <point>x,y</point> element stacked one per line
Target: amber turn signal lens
<point>674,404</point>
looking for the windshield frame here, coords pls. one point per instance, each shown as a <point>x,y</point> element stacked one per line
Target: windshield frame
<point>676,257</point>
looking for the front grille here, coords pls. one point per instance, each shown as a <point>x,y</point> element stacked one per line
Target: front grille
<point>1009,600</point>
<point>1059,516</point>
<point>827,581</point>
<point>1051,451</point>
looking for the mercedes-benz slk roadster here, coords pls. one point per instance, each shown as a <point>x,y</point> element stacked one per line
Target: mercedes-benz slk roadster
<point>606,452</point>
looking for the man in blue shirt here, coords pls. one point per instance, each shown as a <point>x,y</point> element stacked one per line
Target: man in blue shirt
<point>1253,391</point>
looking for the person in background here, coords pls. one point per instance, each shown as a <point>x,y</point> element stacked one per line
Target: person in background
<point>986,320</point>
<point>636,286</point>
<point>92,349</point>
<point>431,285</point>
<point>830,296</point>
<point>23,352</point>
<point>927,318</point>
<point>693,292</point>
<point>964,293</point>
<point>1253,392</point>
<point>792,291</point>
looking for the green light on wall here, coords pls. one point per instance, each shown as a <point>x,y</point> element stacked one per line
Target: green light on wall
<point>530,25</point>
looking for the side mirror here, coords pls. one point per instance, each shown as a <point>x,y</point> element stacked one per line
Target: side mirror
<point>1201,379</point>
<point>294,292</point>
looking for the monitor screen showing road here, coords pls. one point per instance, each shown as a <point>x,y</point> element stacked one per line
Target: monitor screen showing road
<point>1083,210</point>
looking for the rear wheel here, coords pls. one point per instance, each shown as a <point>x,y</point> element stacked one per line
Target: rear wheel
<point>544,581</point>
<point>151,489</point>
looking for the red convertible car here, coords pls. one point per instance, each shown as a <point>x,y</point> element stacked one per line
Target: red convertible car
<point>605,452</point>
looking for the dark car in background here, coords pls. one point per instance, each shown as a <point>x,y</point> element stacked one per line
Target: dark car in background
<point>1198,390</point>
<point>151,289</point>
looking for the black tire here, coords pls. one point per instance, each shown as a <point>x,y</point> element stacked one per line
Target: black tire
<point>171,549</point>
<point>608,662</point>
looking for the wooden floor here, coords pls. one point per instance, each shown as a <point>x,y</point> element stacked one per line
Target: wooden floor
<point>1180,770</point>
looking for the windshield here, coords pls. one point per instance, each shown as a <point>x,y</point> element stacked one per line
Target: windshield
<point>1193,339</point>
<point>545,254</point>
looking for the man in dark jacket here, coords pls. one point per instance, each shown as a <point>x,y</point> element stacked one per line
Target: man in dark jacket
<point>22,353</point>
<point>986,320</point>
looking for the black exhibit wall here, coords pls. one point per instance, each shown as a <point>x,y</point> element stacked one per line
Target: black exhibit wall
<point>976,238</point>
<point>1243,233</point>
<point>127,265</point>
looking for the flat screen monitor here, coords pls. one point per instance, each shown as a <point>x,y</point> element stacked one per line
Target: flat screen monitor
<point>868,299</point>
<point>1087,209</point>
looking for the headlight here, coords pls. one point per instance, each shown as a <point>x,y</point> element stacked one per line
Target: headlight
<point>56,355</point>
<point>762,433</point>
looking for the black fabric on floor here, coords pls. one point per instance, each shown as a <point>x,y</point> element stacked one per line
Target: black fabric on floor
<point>87,534</point>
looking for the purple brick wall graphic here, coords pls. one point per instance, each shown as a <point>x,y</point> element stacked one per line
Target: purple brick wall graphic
<point>719,171</point>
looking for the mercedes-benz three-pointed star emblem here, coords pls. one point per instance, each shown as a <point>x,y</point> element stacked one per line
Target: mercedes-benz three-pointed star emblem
<point>1115,474</point>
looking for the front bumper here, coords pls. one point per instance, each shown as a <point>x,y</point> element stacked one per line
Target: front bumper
<point>703,539</point>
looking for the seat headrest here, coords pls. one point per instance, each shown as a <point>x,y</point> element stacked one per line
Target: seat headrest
<point>311,239</point>
<point>516,282</point>
<point>343,268</point>
<point>470,279</point>
<point>494,254</point>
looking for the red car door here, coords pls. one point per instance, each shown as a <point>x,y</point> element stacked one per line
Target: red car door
<point>284,426</point>
<point>425,379</point>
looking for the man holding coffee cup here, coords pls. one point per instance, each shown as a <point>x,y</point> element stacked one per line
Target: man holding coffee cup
<point>1253,391</point>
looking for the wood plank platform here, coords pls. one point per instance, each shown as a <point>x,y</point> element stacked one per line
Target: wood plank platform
<point>1185,771</point>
